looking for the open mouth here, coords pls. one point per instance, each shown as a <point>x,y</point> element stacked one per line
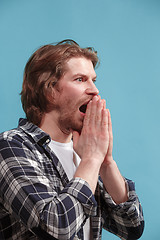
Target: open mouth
<point>83,108</point>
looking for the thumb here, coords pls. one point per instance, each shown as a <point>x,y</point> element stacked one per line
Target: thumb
<point>75,139</point>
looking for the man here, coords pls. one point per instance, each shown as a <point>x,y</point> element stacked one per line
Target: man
<point>58,176</point>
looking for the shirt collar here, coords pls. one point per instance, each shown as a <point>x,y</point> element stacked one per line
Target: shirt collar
<point>34,131</point>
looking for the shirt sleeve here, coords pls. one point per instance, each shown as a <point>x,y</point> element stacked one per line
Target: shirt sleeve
<point>126,219</point>
<point>28,194</point>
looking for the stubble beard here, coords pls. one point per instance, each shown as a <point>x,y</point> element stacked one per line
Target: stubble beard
<point>69,121</point>
<point>70,124</point>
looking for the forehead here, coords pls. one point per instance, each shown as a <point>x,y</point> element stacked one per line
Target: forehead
<point>80,65</point>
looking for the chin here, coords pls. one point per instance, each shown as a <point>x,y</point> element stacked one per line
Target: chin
<point>77,127</point>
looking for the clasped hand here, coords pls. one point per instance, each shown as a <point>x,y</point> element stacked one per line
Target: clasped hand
<point>95,142</point>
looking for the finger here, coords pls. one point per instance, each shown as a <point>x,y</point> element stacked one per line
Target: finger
<point>109,121</point>
<point>110,125</point>
<point>99,112</point>
<point>109,153</point>
<point>99,97</point>
<point>104,104</point>
<point>88,113</point>
<point>104,119</point>
<point>75,139</point>
<point>93,113</point>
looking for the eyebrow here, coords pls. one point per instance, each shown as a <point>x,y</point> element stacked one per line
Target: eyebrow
<point>83,75</point>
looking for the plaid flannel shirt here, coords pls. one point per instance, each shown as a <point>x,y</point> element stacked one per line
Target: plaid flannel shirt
<point>37,201</point>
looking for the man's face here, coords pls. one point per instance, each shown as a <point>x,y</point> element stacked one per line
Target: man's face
<point>75,89</point>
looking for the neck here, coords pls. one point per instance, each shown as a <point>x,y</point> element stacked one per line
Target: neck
<point>51,127</point>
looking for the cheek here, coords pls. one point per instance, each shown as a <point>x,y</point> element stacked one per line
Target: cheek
<point>75,92</point>
<point>70,103</point>
<point>71,92</point>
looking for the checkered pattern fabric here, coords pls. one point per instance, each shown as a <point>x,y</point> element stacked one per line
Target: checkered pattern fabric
<point>37,201</point>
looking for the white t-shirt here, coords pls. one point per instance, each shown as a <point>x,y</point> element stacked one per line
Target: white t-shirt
<point>65,153</point>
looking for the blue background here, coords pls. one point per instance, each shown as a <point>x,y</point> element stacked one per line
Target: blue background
<point>126,34</point>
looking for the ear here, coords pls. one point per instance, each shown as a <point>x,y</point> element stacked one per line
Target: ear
<point>52,93</point>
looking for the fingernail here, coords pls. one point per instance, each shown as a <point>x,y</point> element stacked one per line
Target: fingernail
<point>95,97</point>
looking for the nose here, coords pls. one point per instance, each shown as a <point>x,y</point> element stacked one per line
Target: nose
<point>92,89</point>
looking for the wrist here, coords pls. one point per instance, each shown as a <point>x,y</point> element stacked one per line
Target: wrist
<point>114,182</point>
<point>107,166</point>
<point>108,162</point>
<point>88,171</point>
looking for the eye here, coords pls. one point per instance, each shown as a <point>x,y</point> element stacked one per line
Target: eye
<point>80,79</point>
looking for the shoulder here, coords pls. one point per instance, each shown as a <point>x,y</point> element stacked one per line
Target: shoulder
<point>22,140</point>
<point>11,144</point>
<point>8,138</point>
<point>14,139</point>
